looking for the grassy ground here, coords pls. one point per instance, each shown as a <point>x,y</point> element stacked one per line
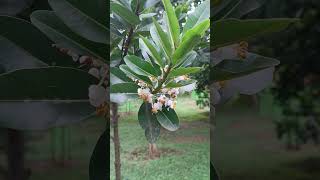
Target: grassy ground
<point>246,148</point>
<point>83,139</point>
<point>184,153</point>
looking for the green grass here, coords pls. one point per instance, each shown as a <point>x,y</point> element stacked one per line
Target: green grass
<point>246,148</point>
<point>83,139</point>
<point>185,153</point>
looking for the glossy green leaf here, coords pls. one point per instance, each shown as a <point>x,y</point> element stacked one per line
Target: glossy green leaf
<point>229,69</point>
<point>188,59</point>
<point>99,163</point>
<point>86,18</point>
<point>174,84</point>
<point>127,88</point>
<point>201,13</point>
<point>244,7</point>
<point>199,29</point>
<point>140,66</point>
<point>189,41</point>
<point>183,71</point>
<point>184,48</point>
<point>134,75</point>
<point>161,39</point>
<point>148,121</point>
<point>152,51</point>
<point>224,30</point>
<point>26,50</point>
<point>58,32</point>
<point>172,22</point>
<point>50,83</point>
<point>119,74</point>
<point>222,8</point>
<point>168,119</point>
<point>125,14</point>
<point>13,7</point>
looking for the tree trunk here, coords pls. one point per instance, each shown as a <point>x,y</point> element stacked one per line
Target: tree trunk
<point>116,140</point>
<point>153,151</point>
<point>211,120</point>
<point>15,155</point>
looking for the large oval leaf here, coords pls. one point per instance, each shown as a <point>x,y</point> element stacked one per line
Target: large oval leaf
<point>161,39</point>
<point>87,18</point>
<point>52,83</point>
<point>168,119</point>
<point>229,69</point>
<point>172,22</point>
<point>149,123</point>
<point>28,49</point>
<point>58,32</point>
<point>118,76</point>
<point>42,115</point>
<point>134,75</point>
<point>151,50</point>
<point>224,30</point>
<point>201,13</point>
<point>14,7</point>
<point>99,162</point>
<point>127,88</point>
<point>183,71</point>
<point>140,66</point>
<point>125,13</point>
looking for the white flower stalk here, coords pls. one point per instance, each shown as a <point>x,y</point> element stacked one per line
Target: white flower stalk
<point>234,51</point>
<point>171,104</point>
<point>94,72</point>
<point>97,95</point>
<point>156,107</point>
<point>145,94</point>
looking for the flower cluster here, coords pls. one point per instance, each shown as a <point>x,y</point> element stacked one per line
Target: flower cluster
<point>98,93</point>
<point>166,98</point>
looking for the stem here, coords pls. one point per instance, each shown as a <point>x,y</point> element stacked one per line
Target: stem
<point>116,140</point>
<point>162,81</point>
<point>114,106</point>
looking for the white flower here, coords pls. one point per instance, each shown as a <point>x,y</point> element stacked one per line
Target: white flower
<point>94,72</point>
<point>156,107</point>
<point>85,59</point>
<point>162,99</point>
<point>187,88</point>
<point>181,78</point>
<point>173,92</point>
<point>142,84</point>
<point>164,90</point>
<point>97,95</point>
<point>170,103</point>
<point>103,70</point>
<point>145,94</point>
<point>166,68</point>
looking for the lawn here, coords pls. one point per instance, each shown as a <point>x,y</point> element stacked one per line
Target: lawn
<point>38,154</point>
<point>246,148</point>
<point>184,153</point>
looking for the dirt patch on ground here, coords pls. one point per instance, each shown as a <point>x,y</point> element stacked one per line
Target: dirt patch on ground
<point>196,124</point>
<point>143,154</point>
<point>192,139</point>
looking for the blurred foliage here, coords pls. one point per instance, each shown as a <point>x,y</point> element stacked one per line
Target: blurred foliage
<point>297,79</point>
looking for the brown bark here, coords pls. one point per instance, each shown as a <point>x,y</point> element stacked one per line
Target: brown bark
<point>116,140</point>
<point>153,151</point>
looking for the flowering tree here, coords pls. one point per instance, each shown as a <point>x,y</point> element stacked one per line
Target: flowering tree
<point>163,68</point>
